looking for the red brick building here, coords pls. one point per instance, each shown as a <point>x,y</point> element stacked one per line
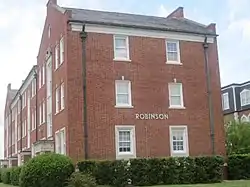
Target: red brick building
<point>113,85</point>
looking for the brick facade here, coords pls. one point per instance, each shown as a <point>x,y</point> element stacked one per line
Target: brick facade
<point>149,75</point>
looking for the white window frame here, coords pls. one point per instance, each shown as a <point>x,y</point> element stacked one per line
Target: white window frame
<point>121,105</point>
<point>183,128</point>
<point>62,96</point>
<point>57,99</point>
<point>43,74</point>
<point>56,56</point>
<point>61,50</point>
<point>178,61</point>
<point>40,113</point>
<point>132,153</point>
<point>225,101</point>
<point>181,106</point>
<point>40,78</point>
<point>117,58</point>
<point>33,88</point>
<point>245,91</point>
<point>60,146</point>
<point>244,118</point>
<point>43,117</point>
<point>49,31</point>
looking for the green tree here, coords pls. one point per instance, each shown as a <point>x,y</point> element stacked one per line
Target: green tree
<point>237,137</point>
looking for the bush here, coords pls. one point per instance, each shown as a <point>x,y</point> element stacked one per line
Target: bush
<point>14,175</point>
<point>0,175</point>
<point>50,170</point>
<point>5,176</point>
<point>239,167</point>
<point>155,171</point>
<point>78,179</point>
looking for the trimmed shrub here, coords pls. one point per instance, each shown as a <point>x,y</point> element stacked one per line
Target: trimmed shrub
<point>155,171</point>
<point>14,175</point>
<point>238,167</point>
<point>5,176</point>
<point>79,179</point>
<point>50,170</point>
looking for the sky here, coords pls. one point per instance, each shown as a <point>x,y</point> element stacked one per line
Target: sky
<point>21,25</point>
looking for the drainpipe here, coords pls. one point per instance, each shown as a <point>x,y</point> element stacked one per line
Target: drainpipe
<point>10,130</point>
<point>35,77</point>
<point>21,120</point>
<point>83,36</point>
<point>210,104</point>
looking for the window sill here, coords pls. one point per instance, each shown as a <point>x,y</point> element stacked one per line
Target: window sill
<point>121,60</point>
<point>122,106</point>
<point>59,112</point>
<point>177,107</point>
<point>174,63</point>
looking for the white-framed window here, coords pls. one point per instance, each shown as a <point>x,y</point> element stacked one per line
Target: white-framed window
<point>245,97</point>
<point>18,132</point>
<point>33,121</point>
<point>40,78</point>
<point>49,31</point>
<point>62,96</point>
<point>33,88</point>
<point>56,56</point>
<point>225,101</point>
<point>61,50</point>
<point>24,128</point>
<point>179,141</point>
<point>244,118</point>
<point>125,141</point>
<point>121,47</point>
<point>175,95</point>
<point>24,100</point>
<point>43,68</point>
<point>123,93</point>
<point>173,51</point>
<point>57,99</point>
<point>60,141</point>
<point>43,118</point>
<point>40,114</point>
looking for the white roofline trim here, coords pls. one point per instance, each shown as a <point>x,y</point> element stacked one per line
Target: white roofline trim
<point>94,28</point>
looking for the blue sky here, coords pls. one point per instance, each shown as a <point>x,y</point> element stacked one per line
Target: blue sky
<point>21,24</point>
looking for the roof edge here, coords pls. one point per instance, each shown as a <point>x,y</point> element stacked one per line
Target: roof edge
<point>140,27</point>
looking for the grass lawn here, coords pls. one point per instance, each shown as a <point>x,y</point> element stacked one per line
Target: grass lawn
<point>241,183</point>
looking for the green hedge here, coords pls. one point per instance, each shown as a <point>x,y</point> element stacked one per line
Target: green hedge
<point>15,175</point>
<point>239,167</point>
<point>1,175</point>
<point>155,171</point>
<point>50,170</point>
<point>5,176</point>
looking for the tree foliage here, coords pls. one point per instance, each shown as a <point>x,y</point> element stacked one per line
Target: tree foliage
<point>237,137</point>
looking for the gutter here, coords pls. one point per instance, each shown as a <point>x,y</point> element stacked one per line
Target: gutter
<point>141,27</point>
<point>210,103</point>
<point>83,36</point>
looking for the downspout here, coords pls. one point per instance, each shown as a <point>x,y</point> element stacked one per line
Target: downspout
<point>210,104</point>
<point>83,36</point>
<point>10,131</point>
<point>21,120</point>
<point>36,112</point>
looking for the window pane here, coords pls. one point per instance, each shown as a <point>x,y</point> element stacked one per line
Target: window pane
<point>175,90</point>
<point>171,46</point>
<point>124,135</point>
<point>121,53</point>
<point>172,56</point>
<point>123,99</point>
<point>175,100</point>
<point>120,42</point>
<point>122,88</point>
